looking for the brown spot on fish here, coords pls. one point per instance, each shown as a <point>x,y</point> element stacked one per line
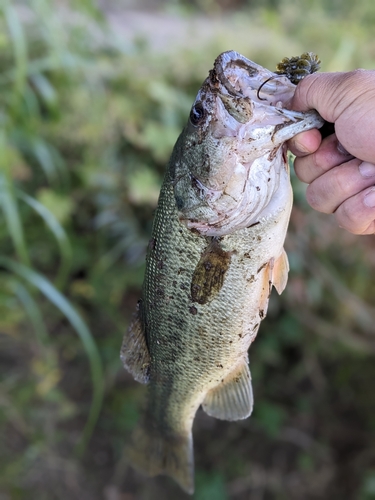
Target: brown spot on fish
<point>160,264</point>
<point>208,277</point>
<point>193,310</point>
<point>272,155</point>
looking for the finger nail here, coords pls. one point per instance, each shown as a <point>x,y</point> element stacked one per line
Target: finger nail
<point>342,150</point>
<point>369,199</point>
<point>367,169</point>
<point>301,148</point>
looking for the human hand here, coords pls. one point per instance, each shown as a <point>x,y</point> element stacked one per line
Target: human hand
<point>340,169</point>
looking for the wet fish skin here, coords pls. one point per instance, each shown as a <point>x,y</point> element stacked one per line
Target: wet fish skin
<point>207,281</point>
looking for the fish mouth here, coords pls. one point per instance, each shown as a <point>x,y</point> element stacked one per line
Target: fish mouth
<point>237,77</point>
<point>254,102</point>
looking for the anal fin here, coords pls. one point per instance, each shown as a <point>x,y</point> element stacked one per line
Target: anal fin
<point>280,272</point>
<point>134,352</point>
<point>233,398</point>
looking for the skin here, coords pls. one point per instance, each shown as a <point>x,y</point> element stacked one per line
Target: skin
<point>340,169</point>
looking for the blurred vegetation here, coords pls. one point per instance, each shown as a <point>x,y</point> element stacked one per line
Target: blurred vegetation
<point>87,122</point>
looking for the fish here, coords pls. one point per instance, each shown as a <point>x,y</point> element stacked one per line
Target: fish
<point>216,251</point>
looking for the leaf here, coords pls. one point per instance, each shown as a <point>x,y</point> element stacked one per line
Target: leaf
<point>58,205</point>
<point>19,47</point>
<point>59,233</point>
<point>45,89</point>
<point>13,219</point>
<point>33,311</point>
<point>48,159</point>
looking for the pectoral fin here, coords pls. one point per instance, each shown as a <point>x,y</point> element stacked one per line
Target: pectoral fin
<point>233,398</point>
<point>280,272</point>
<point>134,351</point>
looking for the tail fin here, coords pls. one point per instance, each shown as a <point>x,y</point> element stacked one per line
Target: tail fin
<point>153,453</point>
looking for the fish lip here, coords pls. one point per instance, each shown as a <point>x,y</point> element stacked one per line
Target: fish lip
<point>298,122</point>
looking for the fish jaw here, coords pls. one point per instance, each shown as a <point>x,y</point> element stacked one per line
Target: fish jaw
<point>233,154</point>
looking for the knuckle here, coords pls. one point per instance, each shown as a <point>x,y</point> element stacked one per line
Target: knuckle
<point>313,199</point>
<point>351,218</point>
<point>358,75</point>
<point>340,181</point>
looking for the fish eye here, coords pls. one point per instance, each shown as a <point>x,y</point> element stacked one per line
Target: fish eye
<point>197,113</point>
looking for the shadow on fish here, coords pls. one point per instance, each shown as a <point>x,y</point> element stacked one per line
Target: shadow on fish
<point>215,253</point>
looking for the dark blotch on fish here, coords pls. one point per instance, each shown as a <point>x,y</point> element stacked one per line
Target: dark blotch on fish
<point>208,277</point>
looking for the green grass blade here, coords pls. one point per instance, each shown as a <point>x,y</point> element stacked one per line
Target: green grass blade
<point>19,43</point>
<point>45,90</point>
<point>43,155</point>
<point>33,312</point>
<point>58,231</point>
<point>9,205</point>
<point>96,367</point>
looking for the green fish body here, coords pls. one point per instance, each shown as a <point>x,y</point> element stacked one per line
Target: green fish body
<point>215,253</point>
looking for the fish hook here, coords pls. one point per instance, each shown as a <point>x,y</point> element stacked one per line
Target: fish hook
<point>268,79</point>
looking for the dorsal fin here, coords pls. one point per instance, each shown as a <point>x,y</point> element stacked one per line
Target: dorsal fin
<point>134,351</point>
<point>232,399</point>
<point>280,272</point>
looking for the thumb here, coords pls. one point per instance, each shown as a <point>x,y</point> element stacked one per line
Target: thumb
<point>347,100</point>
<point>325,92</point>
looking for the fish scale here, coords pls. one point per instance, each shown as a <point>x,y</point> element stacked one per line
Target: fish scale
<point>212,261</point>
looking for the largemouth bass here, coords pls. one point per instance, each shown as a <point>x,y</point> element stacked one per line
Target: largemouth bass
<point>215,253</point>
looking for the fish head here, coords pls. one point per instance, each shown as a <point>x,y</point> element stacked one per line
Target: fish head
<point>230,162</point>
